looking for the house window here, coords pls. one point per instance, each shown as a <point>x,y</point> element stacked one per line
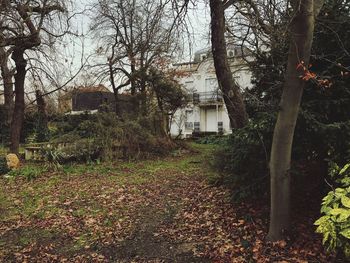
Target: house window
<point>189,113</point>
<point>189,85</point>
<point>231,54</point>
<point>188,125</point>
<point>195,97</point>
<point>211,83</point>
<point>220,127</point>
<point>196,126</point>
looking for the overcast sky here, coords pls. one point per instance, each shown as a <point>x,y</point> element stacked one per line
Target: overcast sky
<point>198,18</point>
<point>76,48</point>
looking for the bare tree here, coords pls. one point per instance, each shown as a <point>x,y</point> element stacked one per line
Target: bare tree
<point>23,25</point>
<point>134,36</point>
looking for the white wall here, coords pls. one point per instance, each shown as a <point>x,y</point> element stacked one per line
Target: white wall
<point>204,80</point>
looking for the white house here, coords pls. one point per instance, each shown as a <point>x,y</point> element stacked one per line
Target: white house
<point>206,111</point>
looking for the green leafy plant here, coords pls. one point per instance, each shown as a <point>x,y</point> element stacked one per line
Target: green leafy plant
<point>3,166</point>
<point>212,139</point>
<point>28,172</point>
<point>242,159</point>
<point>53,157</point>
<point>334,225</point>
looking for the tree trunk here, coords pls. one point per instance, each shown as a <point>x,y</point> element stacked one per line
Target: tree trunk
<point>8,85</point>
<point>117,102</point>
<point>18,112</point>
<point>231,91</point>
<point>163,122</point>
<point>143,96</point>
<point>302,28</point>
<point>115,90</point>
<point>42,126</point>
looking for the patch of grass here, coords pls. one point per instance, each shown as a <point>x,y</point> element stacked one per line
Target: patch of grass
<point>52,182</point>
<point>4,204</point>
<point>81,169</point>
<point>80,212</point>
<point>23,237</point>
<point>87,201</point>
<point>30,203</point>
<point>29,172</point>
<point>50,211</point>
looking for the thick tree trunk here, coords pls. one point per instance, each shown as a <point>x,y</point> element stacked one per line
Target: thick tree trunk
<point>7,75</point>
<point>231,91</point>
<point>302,28</point>
<point>18,112</point>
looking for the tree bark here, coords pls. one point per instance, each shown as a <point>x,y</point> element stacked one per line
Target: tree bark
<point>42,126</point>
<point>143,96</point>
<point>7,75</point>
<point>302,28</point>
<point>18,112</point>
<point>115,90</point>
<point>231,91</point>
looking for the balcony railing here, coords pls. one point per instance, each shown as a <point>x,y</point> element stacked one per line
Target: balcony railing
<point>207,97</point>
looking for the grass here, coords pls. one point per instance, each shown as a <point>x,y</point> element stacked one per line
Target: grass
<point>125,211</point>
<point>82,203</point>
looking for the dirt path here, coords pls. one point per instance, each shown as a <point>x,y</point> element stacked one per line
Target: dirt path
<point>150,211</point>
<point>98,213</point>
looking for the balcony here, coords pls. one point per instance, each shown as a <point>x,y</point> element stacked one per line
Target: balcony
<point>207,98</point>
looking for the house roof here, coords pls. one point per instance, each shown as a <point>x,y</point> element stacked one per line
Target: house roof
<point>82,89</point>
<point>238,50</point>
<point>100,88</point>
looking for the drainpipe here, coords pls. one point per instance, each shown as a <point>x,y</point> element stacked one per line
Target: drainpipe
<point>217,117</point>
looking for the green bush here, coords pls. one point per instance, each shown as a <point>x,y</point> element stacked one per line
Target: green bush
<point>334,225</point>
<point>242,159</point>
<point>103,136</point>
<point>212,139</point>
<point>82,150</point>
<point>3,166</point>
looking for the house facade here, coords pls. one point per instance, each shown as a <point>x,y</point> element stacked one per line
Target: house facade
<point>206,112</point>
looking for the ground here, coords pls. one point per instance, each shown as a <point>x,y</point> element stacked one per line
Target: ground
<point>147,211</point>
